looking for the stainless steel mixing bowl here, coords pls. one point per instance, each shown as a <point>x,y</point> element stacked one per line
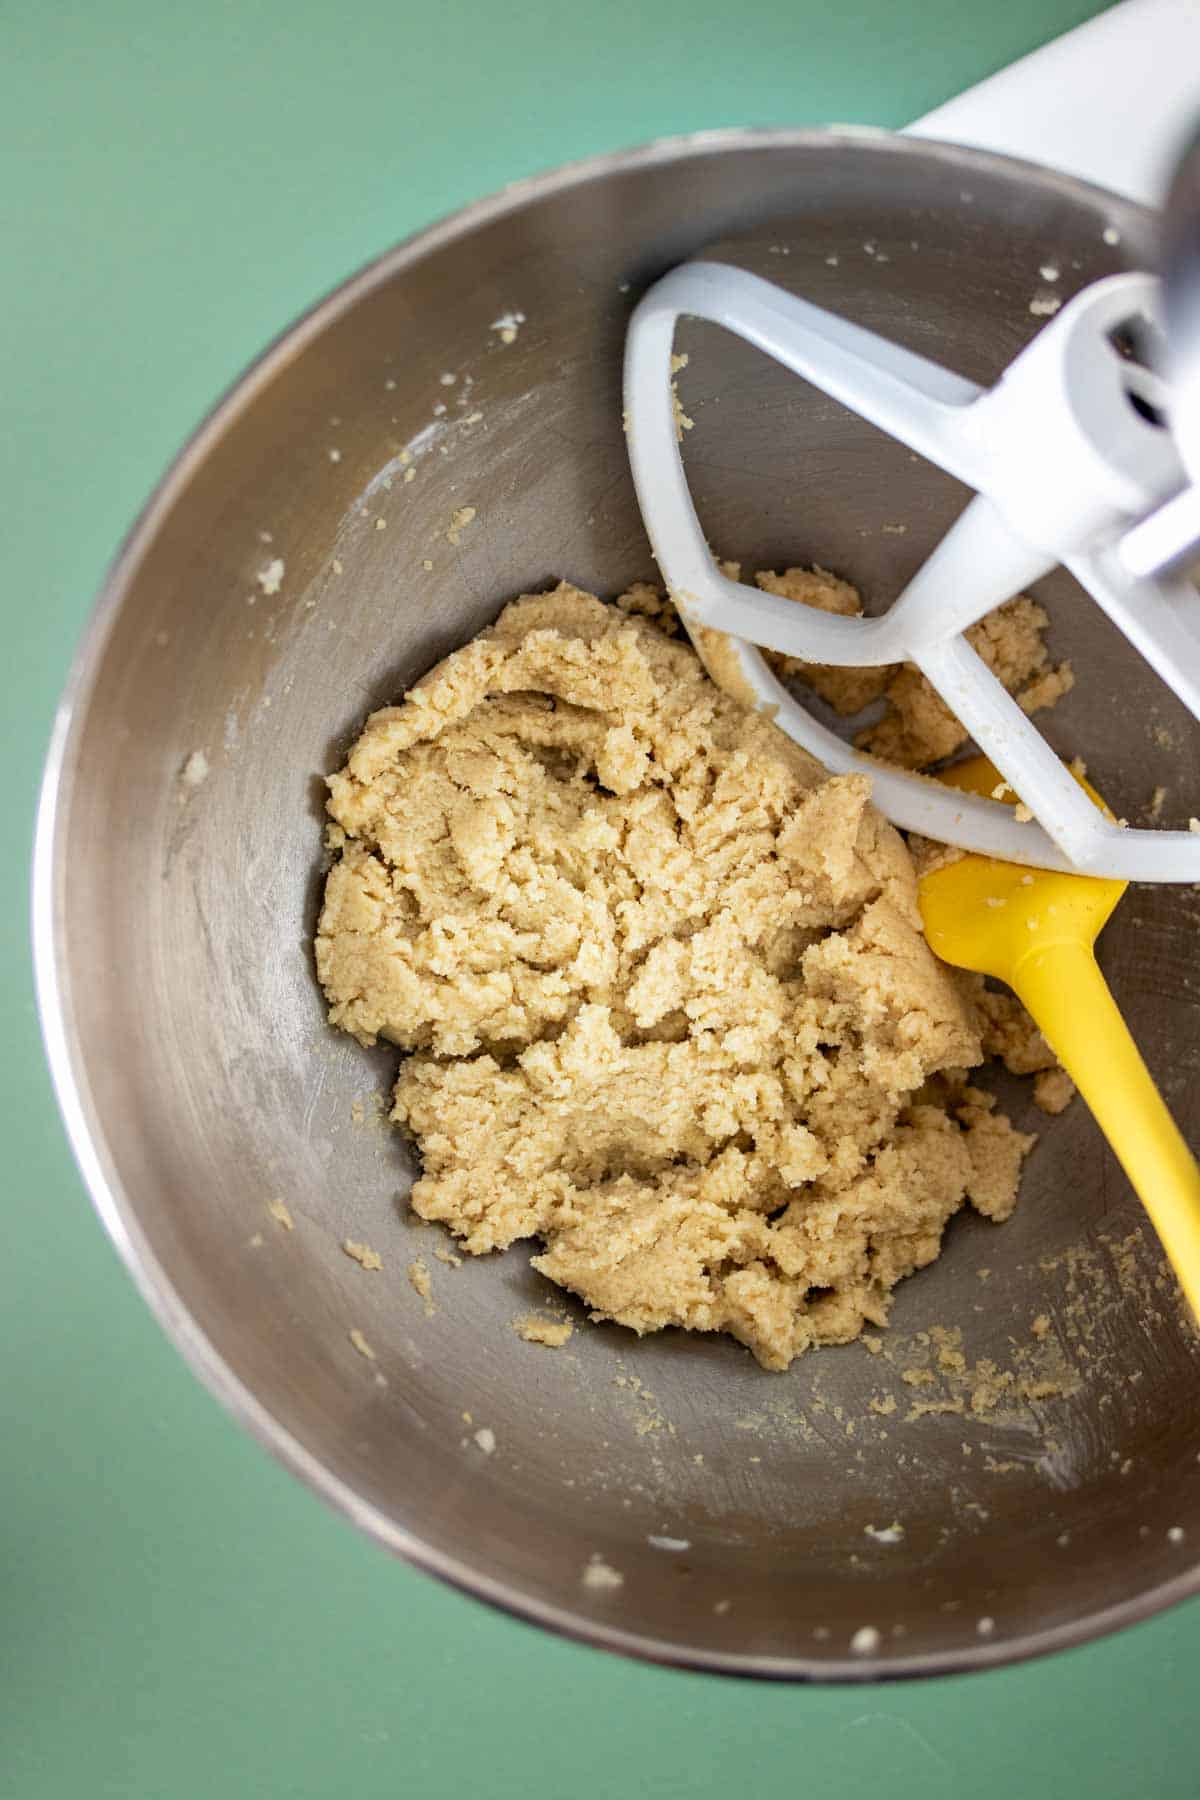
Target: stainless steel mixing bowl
<point>178,876</point>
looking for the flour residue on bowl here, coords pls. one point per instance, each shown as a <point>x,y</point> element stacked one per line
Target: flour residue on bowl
<point>508,326</point>
<point>270,576</point>
<point>600,1576</point>
<point>195,770</point>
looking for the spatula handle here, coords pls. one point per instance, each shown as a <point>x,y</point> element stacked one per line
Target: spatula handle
<point>1062,987</point>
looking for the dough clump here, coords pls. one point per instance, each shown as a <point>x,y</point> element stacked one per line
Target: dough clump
<point>663,986</point>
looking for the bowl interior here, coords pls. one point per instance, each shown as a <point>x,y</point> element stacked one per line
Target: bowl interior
<point>1039,1489</point>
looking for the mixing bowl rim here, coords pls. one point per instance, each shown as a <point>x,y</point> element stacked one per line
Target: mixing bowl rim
<point>64,1050</point>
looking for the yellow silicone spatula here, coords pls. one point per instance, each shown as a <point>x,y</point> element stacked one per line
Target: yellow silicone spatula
<point>1034,929</point>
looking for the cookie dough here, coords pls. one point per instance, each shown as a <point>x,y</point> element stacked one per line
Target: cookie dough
<point>667,1003</point>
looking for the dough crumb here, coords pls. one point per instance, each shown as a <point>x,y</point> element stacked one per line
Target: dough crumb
<point>485,1437</point>
<point>421,1283</point>
<point>360,1344</point>
<point>1053,1091</point>
<point>279,1212</point>
<point>362,1254</point>
<point>553,1333</point>
<point>270,576</point>
<point>598,1575</point>
<point>866,1640</point>
<point>195,769</point>
<point>448,1257</point>
<point>1047,689</point>
<point>460,518</point>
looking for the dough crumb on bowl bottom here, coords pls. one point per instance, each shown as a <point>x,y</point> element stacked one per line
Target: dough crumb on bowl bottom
<point>663,986</point>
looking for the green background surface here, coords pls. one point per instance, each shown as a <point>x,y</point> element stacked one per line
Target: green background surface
<point>178,1617</point>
